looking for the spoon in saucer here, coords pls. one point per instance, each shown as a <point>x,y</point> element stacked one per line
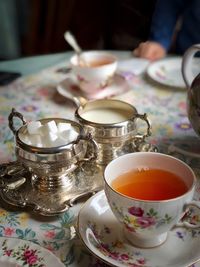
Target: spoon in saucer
<point>69,37</point>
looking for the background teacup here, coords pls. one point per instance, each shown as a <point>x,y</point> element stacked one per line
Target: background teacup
<point>93,69</point>
<point>146,222</point>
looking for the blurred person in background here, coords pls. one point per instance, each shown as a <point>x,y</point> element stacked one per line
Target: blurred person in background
<point>175,27</point>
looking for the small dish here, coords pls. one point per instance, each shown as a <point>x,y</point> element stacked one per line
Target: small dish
<point>168,72</point>
<point>69,88</point>
<point>103,236</point>
<point>17,253</point>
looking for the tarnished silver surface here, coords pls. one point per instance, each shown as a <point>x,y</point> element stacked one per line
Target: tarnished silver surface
<point>85,182</point>
<point>114,139</point>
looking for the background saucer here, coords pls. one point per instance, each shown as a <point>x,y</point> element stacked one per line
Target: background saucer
<point>167,71</point>
<point>69,88</point>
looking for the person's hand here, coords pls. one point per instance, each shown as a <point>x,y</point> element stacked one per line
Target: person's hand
<point>150,50</point>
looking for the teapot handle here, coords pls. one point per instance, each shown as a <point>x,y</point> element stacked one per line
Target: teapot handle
<point>188,76</point>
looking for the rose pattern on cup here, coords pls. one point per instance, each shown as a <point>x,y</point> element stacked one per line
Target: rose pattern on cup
<point>137,218</point>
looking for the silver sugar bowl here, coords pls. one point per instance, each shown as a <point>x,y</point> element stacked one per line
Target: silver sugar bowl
<point>53,170</point>
<point>113,125</point>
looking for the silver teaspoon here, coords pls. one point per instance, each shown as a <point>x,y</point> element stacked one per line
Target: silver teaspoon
<point>71,40</point>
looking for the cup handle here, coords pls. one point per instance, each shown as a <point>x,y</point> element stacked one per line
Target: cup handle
<point>187,224</point>
<point>15,113</point>
<point>141,137</point>
<point>88,138</point>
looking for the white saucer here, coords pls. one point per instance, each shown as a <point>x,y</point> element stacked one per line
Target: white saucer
<point>168,71</point>
<point>103,236</point>
<point>70,88</point>
<point>15,252</point>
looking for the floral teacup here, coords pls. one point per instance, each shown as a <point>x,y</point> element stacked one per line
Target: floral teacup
<point>94,70</point>
<point>146,222</point>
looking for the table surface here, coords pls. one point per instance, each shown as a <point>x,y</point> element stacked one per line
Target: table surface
<point>35,96</point>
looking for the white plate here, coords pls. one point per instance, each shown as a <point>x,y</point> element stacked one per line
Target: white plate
<point>69,88</point>
<point>20,253</point>
<point>103,236</point>
<point>168,71</point>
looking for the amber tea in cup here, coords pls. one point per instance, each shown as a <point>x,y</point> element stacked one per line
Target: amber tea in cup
<point>150,184</point>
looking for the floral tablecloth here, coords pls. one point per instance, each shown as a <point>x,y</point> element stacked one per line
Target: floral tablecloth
<point>36,97</point>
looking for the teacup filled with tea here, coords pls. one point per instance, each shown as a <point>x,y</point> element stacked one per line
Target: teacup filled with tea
<point>94,70</point>
<point>149,193</point>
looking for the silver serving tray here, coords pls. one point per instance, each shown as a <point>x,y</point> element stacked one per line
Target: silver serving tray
<point>16,187</point>
<point>17,190</point>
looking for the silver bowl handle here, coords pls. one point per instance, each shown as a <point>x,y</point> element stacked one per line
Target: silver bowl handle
<point>148,131</point>
<point>88,138</point>
<point>15,113</point>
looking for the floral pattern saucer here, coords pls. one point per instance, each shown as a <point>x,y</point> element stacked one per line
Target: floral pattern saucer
<point>17,253</point>
<point>103,236</point>
<point>69,88</point>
